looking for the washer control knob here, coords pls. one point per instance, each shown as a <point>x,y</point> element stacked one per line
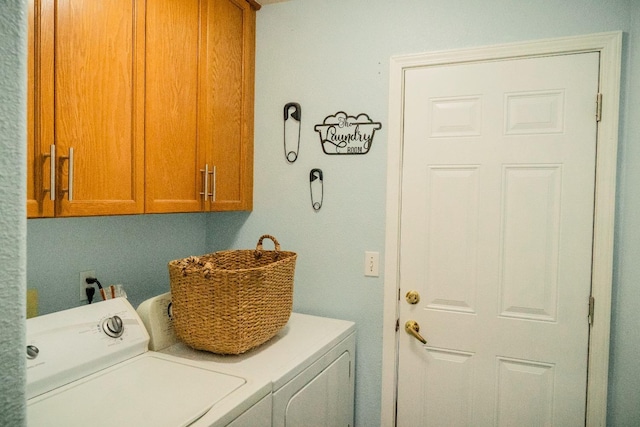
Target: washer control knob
<point>113,326</point>
<point>32,351</point>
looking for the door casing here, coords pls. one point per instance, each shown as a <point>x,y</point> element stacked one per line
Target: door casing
<point>609,45</point>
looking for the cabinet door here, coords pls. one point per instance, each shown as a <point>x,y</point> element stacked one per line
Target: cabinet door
<point>39,173</point>
<point>199,105</point>
<point>229,90</point>
<point>92,58</point>
<point>173,154</point>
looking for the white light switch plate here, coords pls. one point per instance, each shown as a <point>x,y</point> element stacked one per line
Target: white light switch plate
<point>371,263</point>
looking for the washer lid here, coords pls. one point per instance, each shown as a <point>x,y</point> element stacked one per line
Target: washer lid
<point>144,391</point>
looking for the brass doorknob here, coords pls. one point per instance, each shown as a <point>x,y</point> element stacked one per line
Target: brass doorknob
<point>412,297</point>
<point>413,328</point>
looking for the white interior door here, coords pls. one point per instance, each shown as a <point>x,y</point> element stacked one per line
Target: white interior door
<point>496,231</point>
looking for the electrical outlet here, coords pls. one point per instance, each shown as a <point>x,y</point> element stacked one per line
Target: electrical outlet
<point>83,283</point>
<point>371,263</point>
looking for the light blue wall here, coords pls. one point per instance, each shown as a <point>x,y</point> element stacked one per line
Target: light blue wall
<point>132,250</point>
<point>332,55</point>
<point>329,55</point>
<point>12,211</point>
<point>624,369</point>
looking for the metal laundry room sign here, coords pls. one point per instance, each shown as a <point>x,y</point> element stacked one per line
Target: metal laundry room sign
<point>344,134</point>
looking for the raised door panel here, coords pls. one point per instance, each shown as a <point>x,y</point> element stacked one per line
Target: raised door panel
<point>173,154</point>
<point>229,88</point>
<point>98,80</point>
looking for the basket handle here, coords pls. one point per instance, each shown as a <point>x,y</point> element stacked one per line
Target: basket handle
<point>259,249</point>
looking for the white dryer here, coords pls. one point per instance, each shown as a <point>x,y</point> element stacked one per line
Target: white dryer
<point>309,363</point>
<point>89,366</point>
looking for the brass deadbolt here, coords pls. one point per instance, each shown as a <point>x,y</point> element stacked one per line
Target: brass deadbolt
<point>412,297</point>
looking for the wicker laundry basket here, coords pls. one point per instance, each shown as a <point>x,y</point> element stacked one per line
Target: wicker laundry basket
<point>228,302</point>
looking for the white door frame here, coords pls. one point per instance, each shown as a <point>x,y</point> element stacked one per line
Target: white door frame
<point>609,45</point>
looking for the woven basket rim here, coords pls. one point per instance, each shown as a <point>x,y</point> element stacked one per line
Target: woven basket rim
<point>288,255</point>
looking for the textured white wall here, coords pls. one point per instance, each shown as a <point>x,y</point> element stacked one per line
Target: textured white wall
<point>12,211</point>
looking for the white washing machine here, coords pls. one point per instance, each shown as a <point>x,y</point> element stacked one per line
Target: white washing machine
<point>89,366</point>
<point>309,363</point>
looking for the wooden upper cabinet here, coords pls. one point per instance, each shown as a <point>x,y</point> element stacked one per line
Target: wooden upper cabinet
<point>199,105</point>
<point>90,101</point>
<point>146,104</point>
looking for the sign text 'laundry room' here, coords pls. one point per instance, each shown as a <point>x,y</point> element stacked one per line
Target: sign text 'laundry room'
<point>344,134</point>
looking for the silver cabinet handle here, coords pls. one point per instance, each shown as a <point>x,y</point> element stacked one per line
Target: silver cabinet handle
<point>205,186</point>
<point>52,172</point>
<point>69,190</point>
<point>213,184</point>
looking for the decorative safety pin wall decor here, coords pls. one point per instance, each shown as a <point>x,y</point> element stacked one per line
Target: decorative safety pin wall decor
<point>316,186</point>
<point>293,111</point>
